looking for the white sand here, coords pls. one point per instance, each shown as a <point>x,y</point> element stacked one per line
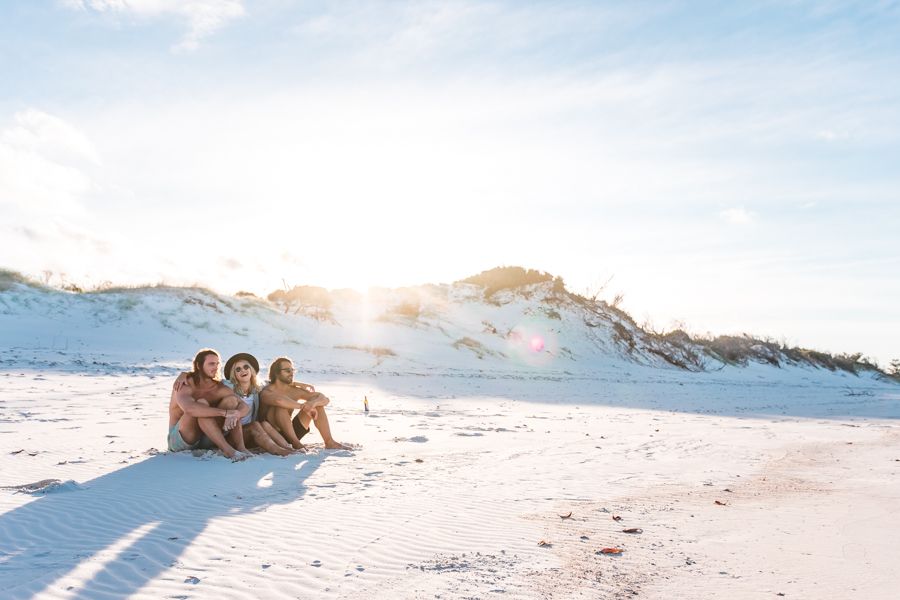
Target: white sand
<point>470,455</point>
<point>812,511</point>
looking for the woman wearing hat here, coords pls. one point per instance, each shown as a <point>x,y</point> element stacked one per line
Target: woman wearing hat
<point>240,375</point>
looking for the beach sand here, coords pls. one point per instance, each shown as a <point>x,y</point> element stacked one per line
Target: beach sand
<point>464,487</point>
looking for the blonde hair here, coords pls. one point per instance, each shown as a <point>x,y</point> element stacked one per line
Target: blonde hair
<point>254,385</point>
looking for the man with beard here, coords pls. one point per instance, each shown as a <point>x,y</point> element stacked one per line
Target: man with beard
<point>281,398</point>
<point>204,411</point>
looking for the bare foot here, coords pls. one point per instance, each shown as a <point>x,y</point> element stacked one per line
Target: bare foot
<point>239,456</point>
<point>335,445</point>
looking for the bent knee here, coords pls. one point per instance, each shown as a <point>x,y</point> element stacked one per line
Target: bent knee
<point>229,402</point>
<point>202,401</point>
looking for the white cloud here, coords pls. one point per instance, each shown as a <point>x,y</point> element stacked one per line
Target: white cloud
<point>738,216</point>
<point>203,17</point>
<point>48,169</point>
<point>37,131</point>
<point>44,164</point>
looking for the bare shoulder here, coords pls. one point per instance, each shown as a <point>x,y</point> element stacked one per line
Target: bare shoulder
<point>186,390</point>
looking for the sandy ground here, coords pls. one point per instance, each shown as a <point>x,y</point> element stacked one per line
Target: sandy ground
<point>737,495</point>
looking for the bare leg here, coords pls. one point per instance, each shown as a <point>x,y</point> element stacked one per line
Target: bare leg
<point>258,434</point>
<point>189,428</point>
<point>321,421</point>
<point>276,437</point>
<point>236,438</point>
<point>280,418</point>
<point>250,434</point>
<point>212,427</point>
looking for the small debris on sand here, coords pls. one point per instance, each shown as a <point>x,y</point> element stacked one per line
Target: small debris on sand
<point>44,486</point>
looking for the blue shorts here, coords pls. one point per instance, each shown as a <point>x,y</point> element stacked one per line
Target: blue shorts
<point>177,443</point>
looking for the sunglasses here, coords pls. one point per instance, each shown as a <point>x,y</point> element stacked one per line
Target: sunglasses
<point>242,368</point>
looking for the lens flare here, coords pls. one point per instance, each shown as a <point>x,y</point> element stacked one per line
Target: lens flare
<point>534,342</point>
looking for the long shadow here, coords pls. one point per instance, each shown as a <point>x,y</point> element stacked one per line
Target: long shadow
<point>123,529</point>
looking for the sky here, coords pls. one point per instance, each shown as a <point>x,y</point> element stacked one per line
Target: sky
<point>725,167</point>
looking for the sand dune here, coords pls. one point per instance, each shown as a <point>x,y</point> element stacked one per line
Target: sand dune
<point>743,481</point>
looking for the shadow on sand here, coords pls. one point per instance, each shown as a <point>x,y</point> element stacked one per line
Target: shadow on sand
<point>125,528</point>
<point>823,396</point>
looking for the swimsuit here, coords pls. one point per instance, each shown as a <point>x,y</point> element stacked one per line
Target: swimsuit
<point>299,429</point>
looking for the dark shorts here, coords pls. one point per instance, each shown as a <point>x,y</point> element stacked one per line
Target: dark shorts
<point>299,429</point>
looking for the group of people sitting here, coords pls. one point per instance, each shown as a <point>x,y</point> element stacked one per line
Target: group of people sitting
<point>206,412</point>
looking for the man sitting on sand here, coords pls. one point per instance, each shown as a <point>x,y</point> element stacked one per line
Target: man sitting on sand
<point>202,412</point>
<point>281,398</point>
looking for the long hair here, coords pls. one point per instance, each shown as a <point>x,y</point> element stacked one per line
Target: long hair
<point>199,359</point>
<point>275,366</point>
<point>254,385</point>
